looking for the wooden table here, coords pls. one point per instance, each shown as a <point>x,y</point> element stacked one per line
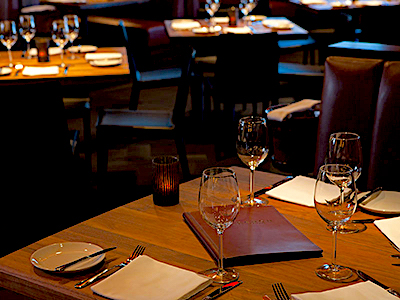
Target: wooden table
<point>296,32</point>
<point>92,4</point>
<point>79,71</point>
<point>365,50</point>
<point>167,238</point>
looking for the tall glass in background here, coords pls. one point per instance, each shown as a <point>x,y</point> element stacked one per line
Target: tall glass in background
<point>72,22</point>
<point>211,7</point>
<point>252,147</point>
<point>335,199</point>
<point>59,34</point>
<point>27,29</point>
<point>345,148</point>
<point>8,37</point>
<point>219,203</point>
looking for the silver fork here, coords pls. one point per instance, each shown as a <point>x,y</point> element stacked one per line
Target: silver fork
<point>137,252</point>
<point>394,246</point>
<point>280,292</point>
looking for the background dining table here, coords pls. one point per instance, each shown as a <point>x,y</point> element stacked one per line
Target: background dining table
<point>167,238</point>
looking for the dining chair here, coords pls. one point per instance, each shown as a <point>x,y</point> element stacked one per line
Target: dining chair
<point>385,144</point>
<point>141,122</point>
<point>349,99</point>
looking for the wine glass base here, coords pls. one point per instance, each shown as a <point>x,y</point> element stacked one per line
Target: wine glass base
<point>256,202</point>
<point>333,272</point>
<point>224,276</point>
<point>348,228</point>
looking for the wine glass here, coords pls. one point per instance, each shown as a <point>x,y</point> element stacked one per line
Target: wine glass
<point>219,202</point>
<point>345,148</point>
<point>27,30</point>
<point>252,148</point>
<point>211,8</point>
<point>72,22</point>
<point>335,199</point>
<point>247,6</point>
<point>59,35</point>
<point>8,37</point>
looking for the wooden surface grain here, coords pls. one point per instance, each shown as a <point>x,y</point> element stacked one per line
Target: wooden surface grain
<point>167,238</point>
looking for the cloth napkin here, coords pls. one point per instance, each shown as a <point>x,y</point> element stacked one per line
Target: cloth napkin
<point>299,190</point>
<point>103,56</point>
<point>184,24</point>
<point>359,291</point>
<point>36,71</point>
<point>390,228</point>
<point>147,278</point>
<point>237,30</point>
<point>310,2</point>
<point>281,113</point>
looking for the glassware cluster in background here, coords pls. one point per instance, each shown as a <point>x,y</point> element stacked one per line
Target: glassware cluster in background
<point>62,31</point>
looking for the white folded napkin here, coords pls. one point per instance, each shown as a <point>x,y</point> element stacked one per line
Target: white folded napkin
<point>299,190</point>
<point>280,114</point>
<point>147,278</point>
<point>184,24</point>
<point>237,30</point>
<point>310,2</point>
<point>278,23</point>
<point>36,71</point>
<point>103,56</point>
<point>359,291</point>
<point>390,228</point>
<point>52,51</point>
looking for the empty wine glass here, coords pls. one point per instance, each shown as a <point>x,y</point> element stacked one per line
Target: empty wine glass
<point>59,35</point>
<point>8,37</point>
<point>345,148</point>
<point>72,22</point>
<point>211,8</point>
<point>335,199</point>
<point>247,6</point>
<point>252,147</point>
<point>27,30</point>
<point>219,202</point>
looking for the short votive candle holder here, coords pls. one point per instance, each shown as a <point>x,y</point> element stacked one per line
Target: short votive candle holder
<point>165,180</point>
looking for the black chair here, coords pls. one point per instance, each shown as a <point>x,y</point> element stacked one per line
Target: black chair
<point>113,121</point>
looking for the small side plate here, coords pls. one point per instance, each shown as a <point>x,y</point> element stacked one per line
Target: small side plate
<point>386,202</point>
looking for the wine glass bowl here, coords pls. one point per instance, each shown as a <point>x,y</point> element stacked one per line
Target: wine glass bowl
<point>59,35</point>
<point>219,202</point>
<point>247,6</point>
<point>8,37</point>
<point>72,22</point>
<point>252,147</point>
<point>335,199</point>
<point>27,29</point>
<point>211,7</point>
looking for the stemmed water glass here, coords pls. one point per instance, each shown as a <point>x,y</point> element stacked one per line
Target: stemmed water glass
<point>252,147</point>
<point>59,35</point>
<point>219,202</point>
<point>72,22</point>
<point>211,8</point>
<point>8,37</point>
<point>27,30</point>
<point>345,148</point>
<point>247,6</point>
<point>335,199</point>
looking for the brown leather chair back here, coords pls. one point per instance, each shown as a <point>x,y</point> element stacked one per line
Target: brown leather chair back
<point>385,147</point>
<point>349,98</point>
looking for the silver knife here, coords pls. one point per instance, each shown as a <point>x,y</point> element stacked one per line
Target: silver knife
<point>366,277</point>
<point>63,267</point>
<point>262,191</point>
<point>363,198</point>
<point>222,290</point>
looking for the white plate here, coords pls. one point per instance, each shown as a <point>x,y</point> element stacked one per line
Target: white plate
<point>52,51</point>
<point>5,71</point>
<point>387,202</point>
<point>254,18</point>
<point>52,256</point>
<point>82,49</point>
<point>278,24</point>
<point>105,62</point>
<point>206,30</point>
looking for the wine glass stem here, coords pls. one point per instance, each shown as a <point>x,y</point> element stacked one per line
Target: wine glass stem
<point>251,186</point>
<point>221,256</point>
<point>28,50</point>
<point>62,57</point>
<point>334,246</point>
<point>10,57</point>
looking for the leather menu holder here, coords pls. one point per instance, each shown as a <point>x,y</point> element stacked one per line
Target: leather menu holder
<point>258,235</point>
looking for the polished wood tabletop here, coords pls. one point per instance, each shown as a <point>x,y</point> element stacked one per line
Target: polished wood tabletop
<point>341,6</point>
<point>79,70</point>
<point>92,4</point>
<point>167,238</point>
<point>296,32</point>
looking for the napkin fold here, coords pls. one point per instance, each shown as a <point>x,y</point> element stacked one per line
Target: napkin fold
<point>299,190</point>
<point>147,278</point>
<point>390,228</point>
<point>359,291</point>
<point>280,114</point>
<point>184,24</point>
<point>103,56</point>
<point>36,71</point>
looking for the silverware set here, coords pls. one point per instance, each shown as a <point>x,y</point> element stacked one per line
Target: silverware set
<point>280,291</point>
<point>139,250</point>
